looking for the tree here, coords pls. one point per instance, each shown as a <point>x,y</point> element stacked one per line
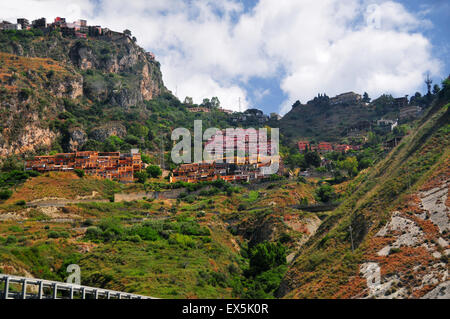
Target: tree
<point>5,194</point>
<point>145,158</point>
<point>215,103</point>
<point>206,103</point>
<point>265,256</point>
<point>154,171</point>
<point>188,100</point>
<point>350,164</point>
<point>141,177</point>
<point>325,193</point>
<point>297,103</point>
<point>127,32</point>
<point>436,89</point>
<point>312,159</point>
<point>366,98</point>
<point>139,130</point>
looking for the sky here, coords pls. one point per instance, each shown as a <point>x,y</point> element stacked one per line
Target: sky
<point>267,54</point>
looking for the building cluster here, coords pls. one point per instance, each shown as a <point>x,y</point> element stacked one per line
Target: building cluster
<point>407,111</point>
<point>325,147</point>
<point>76,29</point>
<point>250,165</point>
<point>251,116</point>
<point>387,125</point>
<point>199,109</point>
<point>110,165</point>
<point>346,98</point>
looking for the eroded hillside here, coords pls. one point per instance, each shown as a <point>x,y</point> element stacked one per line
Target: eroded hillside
<point>399,217</point>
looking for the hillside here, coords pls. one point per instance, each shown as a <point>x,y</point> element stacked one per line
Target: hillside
<point>398,211</point>
<point>320,121</point>
<point>101,93</point>
<point>198,245</point>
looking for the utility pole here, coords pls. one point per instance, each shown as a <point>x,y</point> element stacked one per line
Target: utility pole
<point>240,111</point>
<point>351,237</point>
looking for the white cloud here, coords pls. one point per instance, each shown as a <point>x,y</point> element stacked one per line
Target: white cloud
<point>212,48</point>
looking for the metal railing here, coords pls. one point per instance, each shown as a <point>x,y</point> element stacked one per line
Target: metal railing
<point>47,289</point>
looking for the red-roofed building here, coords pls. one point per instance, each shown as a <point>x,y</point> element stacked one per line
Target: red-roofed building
<point>342,148</point>
<point>303,146</point>
<point>324,147</point>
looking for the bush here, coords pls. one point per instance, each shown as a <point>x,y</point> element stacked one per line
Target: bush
<point>79,172</point>
<point>88,222</point>
<point>33,174</point>
<point>325,193</point>
<point>11,240</point>
<point>5,194</point>
<point>265,256</point>
<point>141,177</point>
<point>93,233</point>
<point>154,171</point>
<point>20,203</point>
<point>55,234</point>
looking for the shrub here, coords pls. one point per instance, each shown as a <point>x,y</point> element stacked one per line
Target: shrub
<point>79,172</point>
<point>20,203</point>
<point>134,238</point>
<point>325,193</point>
<point>55,234</point>
<point>93,233</point>
<point>88,222</point>
<point>5,194</point>
<point>182,240</point>
<point>11,240</point>
<point>154,171</point>
<point>141,177</point>
<point>265,256</point>
<point>33,174</point>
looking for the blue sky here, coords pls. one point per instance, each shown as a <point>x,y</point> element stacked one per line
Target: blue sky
<point>269,53</point>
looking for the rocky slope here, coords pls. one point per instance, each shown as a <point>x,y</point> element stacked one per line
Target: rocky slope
<point>399,217</point>
<point>42,77</point>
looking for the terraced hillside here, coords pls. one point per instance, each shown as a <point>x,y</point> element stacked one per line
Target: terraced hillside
<point>197,245</point>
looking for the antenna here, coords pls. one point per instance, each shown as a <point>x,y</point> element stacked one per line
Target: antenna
<point>428,82</point>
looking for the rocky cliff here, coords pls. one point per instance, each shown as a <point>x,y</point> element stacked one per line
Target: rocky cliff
<point>46,79</point>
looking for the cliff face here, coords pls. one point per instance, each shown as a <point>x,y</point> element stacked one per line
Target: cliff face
<point>44,77</point>
<point>30,95</point>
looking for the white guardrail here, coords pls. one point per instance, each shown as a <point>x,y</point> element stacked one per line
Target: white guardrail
<point>47,289</point>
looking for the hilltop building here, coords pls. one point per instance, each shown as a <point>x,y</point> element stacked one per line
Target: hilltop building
<point>39,23</point>
<point>401,101</point>
<point>275,116</point>
<point>251,115</point>
<point>76,29</point>
<point>24,23</point>
<point>6,25</point>
<point>109,165</point>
